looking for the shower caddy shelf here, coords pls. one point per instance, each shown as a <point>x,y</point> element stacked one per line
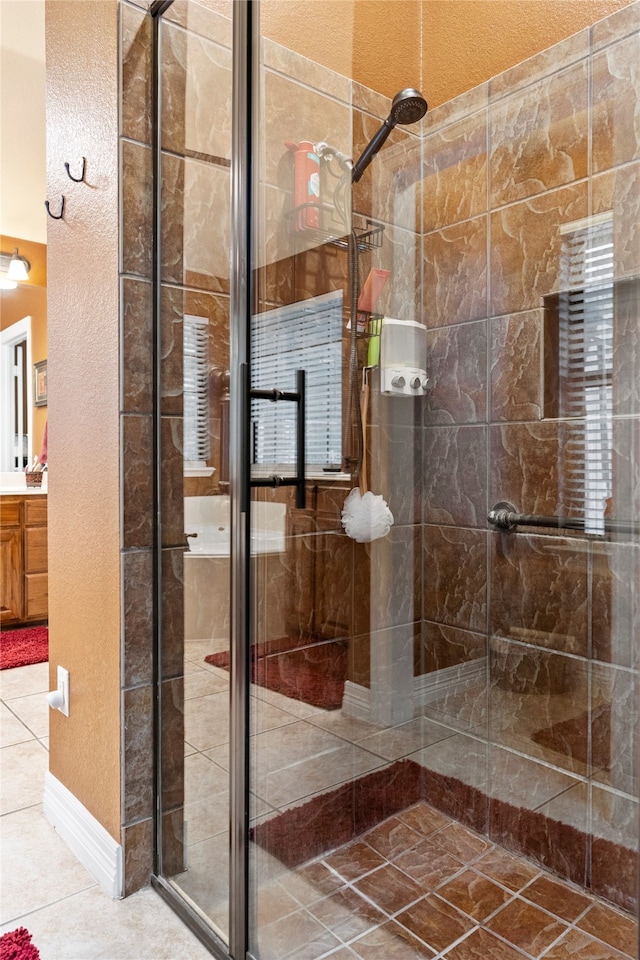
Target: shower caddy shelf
<point>368,232</point>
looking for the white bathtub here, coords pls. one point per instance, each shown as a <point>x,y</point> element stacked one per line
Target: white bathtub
<point>207,526</point>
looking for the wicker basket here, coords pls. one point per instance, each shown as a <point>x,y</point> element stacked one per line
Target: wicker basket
<point>34,479</point>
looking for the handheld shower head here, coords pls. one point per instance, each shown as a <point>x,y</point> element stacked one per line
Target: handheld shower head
<point>408,106</point>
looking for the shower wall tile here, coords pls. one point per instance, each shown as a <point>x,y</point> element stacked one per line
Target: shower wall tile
<point>314,579</point>
<point>615,722</point>
<point>626,348</point>
<point>396,577</point>
<point>196,193</point>
<point>296,67</point>
<point>137,841</point>
<point>455,577</point>
<point>135,30</point>
<point>196,96</point>
<point>539,591</point>
<point>455,273</point>
<point>538,705</point>
<point>171,482</point>
<point>616,89</point>
<point>455,476</point>
<point>395,470</point>
<point>525,247</point>
<point>525,461</point>
<point>457,369</point>
<point>460,108</point>
<point>616,26</point>
<point>172,744</point>
<point>516,366</point>
<point>441,647</point>
<point>539,137</point>
<point>625,502</point>
<point>203,20</point>
<point>137,528</point>
<point>137,207</point>
<point>615,603</point>
<point>379,193</point>
<point>136,346</point>
<point>454,184</point>
<point>137,574</point>
<point>401,254</point>
<point>172,613</point>
<point>289,101</point>
<point>614,854</point>
<point>543,64</point>
<point>137,707</point>
<point>618,191</point>
<point>560,847</point>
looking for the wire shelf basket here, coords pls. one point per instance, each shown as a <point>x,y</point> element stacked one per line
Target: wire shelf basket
<point>368,232</point>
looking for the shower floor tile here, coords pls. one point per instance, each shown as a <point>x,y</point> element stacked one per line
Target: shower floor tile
<point>421,885</point>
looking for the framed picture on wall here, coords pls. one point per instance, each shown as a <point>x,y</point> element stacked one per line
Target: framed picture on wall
<point>40,384</point>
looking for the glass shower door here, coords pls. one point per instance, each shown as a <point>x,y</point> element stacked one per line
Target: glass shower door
<point>334,622</point>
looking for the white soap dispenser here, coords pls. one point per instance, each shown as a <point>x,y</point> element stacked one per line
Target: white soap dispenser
<point>403,358</point>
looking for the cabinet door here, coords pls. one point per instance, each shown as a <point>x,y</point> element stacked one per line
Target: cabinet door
<point>11,598</point>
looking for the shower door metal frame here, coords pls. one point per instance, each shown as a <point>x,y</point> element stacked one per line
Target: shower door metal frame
<point>245,53</point>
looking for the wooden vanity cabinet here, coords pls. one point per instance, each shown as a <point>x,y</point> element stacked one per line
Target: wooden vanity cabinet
<point>24,578</point>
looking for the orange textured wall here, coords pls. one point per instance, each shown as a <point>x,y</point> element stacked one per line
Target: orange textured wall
<point>29,299</point>
<point>448,46</point>
<point>466,42</point>
<point>84,570</point>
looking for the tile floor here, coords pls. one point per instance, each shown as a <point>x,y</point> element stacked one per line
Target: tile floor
<point>42,885</point>
<point>418,885</point>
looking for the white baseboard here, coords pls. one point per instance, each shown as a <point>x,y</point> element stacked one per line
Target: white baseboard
<point>94,847</point>
<point>426,688</point>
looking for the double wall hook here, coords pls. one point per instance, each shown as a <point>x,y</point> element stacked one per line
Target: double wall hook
<point>79,179</point>
<point>56,216</point>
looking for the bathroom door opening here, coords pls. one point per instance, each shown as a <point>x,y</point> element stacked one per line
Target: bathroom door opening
<point>398,746</point>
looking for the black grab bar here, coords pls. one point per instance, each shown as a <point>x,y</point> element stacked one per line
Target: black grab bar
<point>505,516</point>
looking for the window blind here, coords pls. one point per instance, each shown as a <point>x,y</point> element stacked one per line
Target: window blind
<point>196,388</point>
<point>305,335</point>
<point>586,361</point>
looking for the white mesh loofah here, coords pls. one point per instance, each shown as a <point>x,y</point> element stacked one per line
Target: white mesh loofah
<point>367,517</point>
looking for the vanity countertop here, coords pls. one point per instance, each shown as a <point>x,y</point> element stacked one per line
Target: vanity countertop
<point>15,484</point>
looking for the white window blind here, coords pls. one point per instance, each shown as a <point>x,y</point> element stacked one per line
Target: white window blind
<point>586,359</point>
<point>197,445</point>
<point>306,335</point>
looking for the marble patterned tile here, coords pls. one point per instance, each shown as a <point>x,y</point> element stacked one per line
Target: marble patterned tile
<point>436,922</point>
<point>526,926</point>
<point>454,184</point>
<point>556,897</point>
<point>616,26</point>
<point>137,573</point>
<point>576,944</point>
<point>428,864</point>
<point>539,136</point>
<point>613,928</point>
<point>137,773</point>
<point>457,369</point>
<point>615,724</point>
<point>455,273</point>
<point>135,55</point>
<point>526,460</point>
<point>392,838</point>
<point>506,869</point>
<point>346,913</point>
<point>455,577</point>
<point>391,942</point>
<point>298,930</point>
<point>546,63</point>
<point>615,603</point>
<point>525,247</point>
<point>290,64</point>
<point>354,860</point>
<point>136,209</point>
<point>617,191</point>
<point>460,756</point>
<point>482,945</point>
<point>442,647</point>
<point>615,95</point>
<point>474,894</point>
<point>136,453</point>
<point>516,373</point>
<point>12,730</point>
<point>455,476</point>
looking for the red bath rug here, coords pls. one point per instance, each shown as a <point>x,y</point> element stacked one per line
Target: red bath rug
<point>23,646</point>
<point>16,945</point>
<point>302,669</point>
